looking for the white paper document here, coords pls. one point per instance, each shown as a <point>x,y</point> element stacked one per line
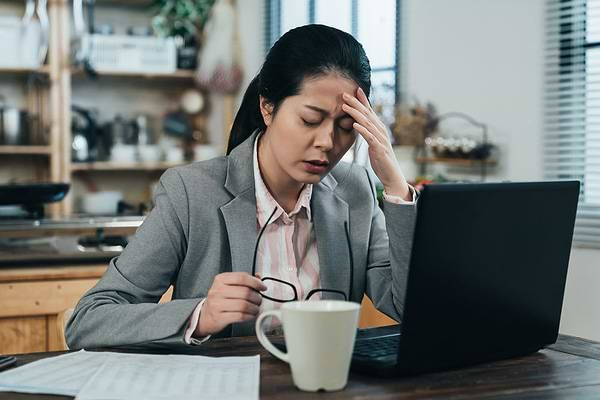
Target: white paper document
<point>175,377</point>
<point>63,375</point>
<point>106,375</point>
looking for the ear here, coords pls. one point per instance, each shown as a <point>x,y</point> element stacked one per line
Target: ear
<point>266,110</point>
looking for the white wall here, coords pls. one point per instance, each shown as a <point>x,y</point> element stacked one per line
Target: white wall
<point>485,58</point>
<point>581,309</point>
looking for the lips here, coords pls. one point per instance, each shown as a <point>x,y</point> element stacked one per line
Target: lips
<point>322,163</point>
<point>316,166</point>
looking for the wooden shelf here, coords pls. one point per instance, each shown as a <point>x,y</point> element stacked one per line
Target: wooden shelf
<point>124,3</point>
<point>26,150</point>
<point>114,166</point>
<point>44,70</point>
<point>177,75</point>
<point>454,161</point>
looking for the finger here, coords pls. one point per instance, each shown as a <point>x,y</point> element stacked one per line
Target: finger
<point>365,121</point>
<point>362,97</point>
<point>353,102</point>
<point>356,115</point>
<point>366,134</point>
<point>242,306</point>
<point>362,104</point>
<point>242,279</point>
<point>242,293</point>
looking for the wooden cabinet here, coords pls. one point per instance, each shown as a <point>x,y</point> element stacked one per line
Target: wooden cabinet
<point>31,299</point>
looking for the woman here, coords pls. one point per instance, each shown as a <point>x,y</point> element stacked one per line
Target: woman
<point>319,223</point>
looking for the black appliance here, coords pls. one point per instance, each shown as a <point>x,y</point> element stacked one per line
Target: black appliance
<point>86,135</point>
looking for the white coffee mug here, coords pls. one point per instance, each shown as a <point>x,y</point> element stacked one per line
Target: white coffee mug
<point>319,336</point>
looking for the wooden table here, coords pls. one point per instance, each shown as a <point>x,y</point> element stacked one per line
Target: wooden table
<point>568,369</point>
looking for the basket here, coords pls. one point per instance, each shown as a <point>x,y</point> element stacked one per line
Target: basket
<point>134,54</point>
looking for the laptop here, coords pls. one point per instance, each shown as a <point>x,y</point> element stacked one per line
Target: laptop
<point>486,282</point>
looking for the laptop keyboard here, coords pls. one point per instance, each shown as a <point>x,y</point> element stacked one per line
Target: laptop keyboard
<point>377,347</point>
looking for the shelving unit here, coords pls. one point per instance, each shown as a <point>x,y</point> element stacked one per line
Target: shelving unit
<point>41,90</point>
<point>425,156</point>
<point>125,3</point>
<point>44,70</point>
<point>26,150</point>
<point>65,84</point>
<point>113,166</point>
<point>461,162</point>
<point>184,75</point>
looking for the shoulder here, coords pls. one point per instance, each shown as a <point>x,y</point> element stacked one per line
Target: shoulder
<point>199,180</point>
<point>209,172</point>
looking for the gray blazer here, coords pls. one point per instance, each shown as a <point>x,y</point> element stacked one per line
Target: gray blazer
<point>204,223</point>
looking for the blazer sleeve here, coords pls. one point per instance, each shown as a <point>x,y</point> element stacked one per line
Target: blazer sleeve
<point>122,309</point>
<point>390,243</point>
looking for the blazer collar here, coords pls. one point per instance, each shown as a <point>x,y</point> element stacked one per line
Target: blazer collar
<point>240,174</point>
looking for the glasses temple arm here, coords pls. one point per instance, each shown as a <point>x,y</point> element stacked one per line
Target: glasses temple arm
<point>258,241</point>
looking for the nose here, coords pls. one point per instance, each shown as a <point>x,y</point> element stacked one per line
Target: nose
<point>324,138</point>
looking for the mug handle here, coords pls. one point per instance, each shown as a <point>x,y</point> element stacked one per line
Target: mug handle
<point>262,338</point>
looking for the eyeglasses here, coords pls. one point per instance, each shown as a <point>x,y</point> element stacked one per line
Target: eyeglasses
<point>281,291</point>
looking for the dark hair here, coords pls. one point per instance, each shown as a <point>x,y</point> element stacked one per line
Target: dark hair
<point>309,51</point>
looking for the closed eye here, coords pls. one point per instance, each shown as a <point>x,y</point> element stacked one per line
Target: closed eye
<point>311,124</point>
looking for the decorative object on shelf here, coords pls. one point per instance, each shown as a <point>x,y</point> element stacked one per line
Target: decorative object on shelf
<point>413,123</point>
<point>101,203</point>
<point>110,53</point>
<point>455,149</point>
<point>192,101</point>
<point>185,125</point>
<point>85,132</point>
<point>24,41</point>
<point>14,125</point>
<point>135,54</point>
<point>182,20</point>
<point>459,146</point>
<point>219,65</point>
<point>148,150</point>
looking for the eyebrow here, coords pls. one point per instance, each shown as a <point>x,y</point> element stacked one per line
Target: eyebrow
<point>325,112</point>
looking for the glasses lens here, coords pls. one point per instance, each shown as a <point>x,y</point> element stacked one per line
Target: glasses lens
<point>279,290</point>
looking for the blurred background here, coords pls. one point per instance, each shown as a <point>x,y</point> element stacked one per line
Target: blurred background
<point>99,97</point>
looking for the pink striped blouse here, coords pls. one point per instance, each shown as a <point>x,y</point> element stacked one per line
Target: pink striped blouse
<point>287,248</point>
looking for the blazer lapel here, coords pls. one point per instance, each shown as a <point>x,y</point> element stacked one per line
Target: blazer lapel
<point>240,215</point>
<point>240,222</point>
<point>330,213</point>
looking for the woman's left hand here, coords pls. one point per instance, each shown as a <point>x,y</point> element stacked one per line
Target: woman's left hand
<point>381,154</point>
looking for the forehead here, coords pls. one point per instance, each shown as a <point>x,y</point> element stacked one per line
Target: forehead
<point>326,91</point>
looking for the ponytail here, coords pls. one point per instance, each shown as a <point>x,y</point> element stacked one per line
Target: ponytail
<point>248,117</point>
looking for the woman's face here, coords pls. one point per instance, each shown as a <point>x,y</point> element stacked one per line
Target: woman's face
<point>310,133</point>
